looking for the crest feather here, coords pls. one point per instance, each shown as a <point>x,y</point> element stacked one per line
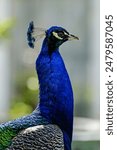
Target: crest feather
<point>34,34</point>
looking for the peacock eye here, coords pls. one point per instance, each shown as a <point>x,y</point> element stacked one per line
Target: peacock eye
<point>61,34</point>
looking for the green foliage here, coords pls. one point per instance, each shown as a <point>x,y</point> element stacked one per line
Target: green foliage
<point>86,145</point>
<point>19,109</point>
<point>5,28</point>
<point>25,98</point>
<point>83,97</point>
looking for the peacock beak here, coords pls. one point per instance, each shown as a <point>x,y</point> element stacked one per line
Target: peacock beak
<point>72,37</point>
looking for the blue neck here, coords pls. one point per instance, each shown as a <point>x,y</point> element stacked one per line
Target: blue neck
<point>56,97</point>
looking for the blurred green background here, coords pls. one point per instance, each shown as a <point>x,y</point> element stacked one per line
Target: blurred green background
<point>19,84</point>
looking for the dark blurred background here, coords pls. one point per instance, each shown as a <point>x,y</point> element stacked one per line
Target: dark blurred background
<point>18,80</point>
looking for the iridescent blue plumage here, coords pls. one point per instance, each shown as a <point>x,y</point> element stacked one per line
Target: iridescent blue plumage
<point>56,96</point>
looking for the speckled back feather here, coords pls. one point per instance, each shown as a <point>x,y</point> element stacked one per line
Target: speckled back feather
<point>43,137</point>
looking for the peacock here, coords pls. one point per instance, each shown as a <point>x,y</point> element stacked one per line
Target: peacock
<point>50,125</point>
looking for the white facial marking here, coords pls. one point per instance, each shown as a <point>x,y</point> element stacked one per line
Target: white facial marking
<point>56,35</point>
<point>65,33</point>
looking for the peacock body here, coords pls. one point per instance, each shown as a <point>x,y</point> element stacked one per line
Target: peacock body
<point>50,125</point>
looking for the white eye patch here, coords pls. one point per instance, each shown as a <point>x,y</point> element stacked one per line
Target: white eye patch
<point>57,36</point>
<point>66,33</point>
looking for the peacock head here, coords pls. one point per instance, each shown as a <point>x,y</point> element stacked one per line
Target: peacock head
<point>55,36</point>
